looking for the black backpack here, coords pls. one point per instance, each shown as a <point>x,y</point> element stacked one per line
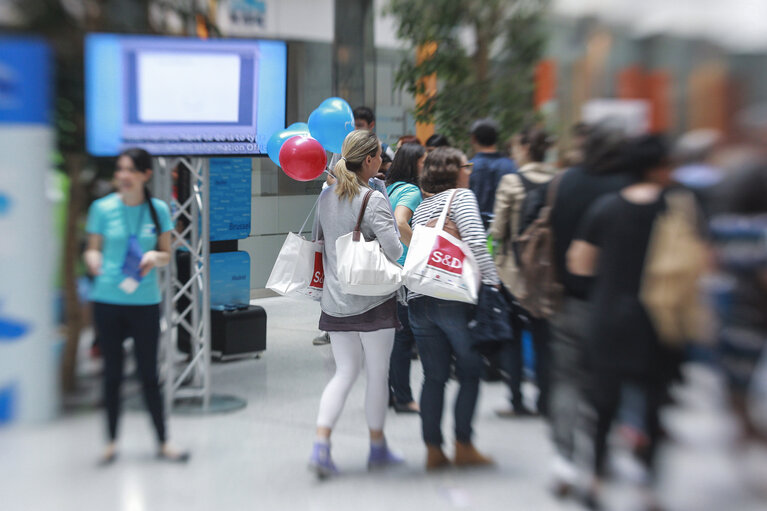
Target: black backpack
<point>535,198</point>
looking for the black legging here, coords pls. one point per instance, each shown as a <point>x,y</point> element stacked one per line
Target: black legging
<point>115,323</point>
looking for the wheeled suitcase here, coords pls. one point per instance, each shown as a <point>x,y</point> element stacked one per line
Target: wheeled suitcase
<point>238,333</point>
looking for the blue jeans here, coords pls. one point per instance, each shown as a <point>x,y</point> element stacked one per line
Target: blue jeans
<point>399,366</point>
<point>441,332</point>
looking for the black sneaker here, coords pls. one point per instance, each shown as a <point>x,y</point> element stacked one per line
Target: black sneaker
<point>321,340</point>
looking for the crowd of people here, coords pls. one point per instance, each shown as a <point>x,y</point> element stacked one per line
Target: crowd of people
<point>635,228</point>
<point>637,245</point>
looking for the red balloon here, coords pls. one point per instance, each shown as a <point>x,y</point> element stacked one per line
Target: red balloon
<point>303,158</point>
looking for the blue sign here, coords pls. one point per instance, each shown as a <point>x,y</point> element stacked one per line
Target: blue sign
<point>5,203</point>
<point>229,279</point>
<point>7,403</point>
<point>24,79</point>
<point>230,196</point>
<point>11,330</point>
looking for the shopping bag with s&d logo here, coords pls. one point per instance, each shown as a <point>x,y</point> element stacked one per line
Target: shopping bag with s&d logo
<point>439,264</point>
<point>298,271</point>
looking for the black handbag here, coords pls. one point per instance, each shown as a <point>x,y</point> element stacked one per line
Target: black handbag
<point>491,326</point>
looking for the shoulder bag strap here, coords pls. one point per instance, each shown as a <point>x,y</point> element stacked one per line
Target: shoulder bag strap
<point>443,215</point>
<point>309,215</point>
<point>551,193</point>
<point>392,190</point>
<point>356,233</point>
<point>526,183</point>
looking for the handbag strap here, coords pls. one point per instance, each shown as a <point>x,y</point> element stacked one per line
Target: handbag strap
<point>310,214</point>
<point>356,233</point>
<point>443,215</point>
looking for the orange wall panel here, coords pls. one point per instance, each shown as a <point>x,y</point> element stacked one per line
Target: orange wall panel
<point>659,89</point>
<point>422,130</point>
<point>545,82</point>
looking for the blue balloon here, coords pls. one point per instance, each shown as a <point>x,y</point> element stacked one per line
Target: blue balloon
<point>338,104</point>
<point>331,122</point>
<point>279,137</point>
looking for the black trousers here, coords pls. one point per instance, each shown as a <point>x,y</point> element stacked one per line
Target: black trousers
<point>115,323</point>
<point>511,357</point>
<point>399,365</point>
<point>603,394</point>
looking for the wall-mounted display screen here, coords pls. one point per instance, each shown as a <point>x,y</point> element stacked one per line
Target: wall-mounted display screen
<point>179,96</point>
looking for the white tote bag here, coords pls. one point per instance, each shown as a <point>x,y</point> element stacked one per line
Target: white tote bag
<point>362,267</point>
<point>439,264</point>
<point>298,271</point>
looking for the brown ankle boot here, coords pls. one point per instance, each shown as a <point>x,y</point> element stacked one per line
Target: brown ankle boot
<point>466,455</point>
<point>435,458</point>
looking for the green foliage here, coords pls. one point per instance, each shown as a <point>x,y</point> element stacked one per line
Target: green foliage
<point>494,79</point>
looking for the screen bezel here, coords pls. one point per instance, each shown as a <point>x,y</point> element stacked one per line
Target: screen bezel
<point>196,41</point>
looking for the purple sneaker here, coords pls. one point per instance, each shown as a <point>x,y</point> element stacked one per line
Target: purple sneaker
<point>381,456</point>
<point>320,461</point>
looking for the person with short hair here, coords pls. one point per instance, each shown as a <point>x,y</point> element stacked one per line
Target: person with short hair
<point>359,327</point>
<point>600,173</point>
<point>441,327</point>
<point>490,165</point>
<point>435,141</point>
<point>364,118</point>
<point>128,237</point>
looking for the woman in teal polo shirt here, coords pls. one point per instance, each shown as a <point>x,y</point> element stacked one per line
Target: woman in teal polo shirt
<point>128,237</point>
<point>404,196</point>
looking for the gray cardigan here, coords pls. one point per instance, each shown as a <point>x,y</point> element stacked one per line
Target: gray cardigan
<point>336,217</point>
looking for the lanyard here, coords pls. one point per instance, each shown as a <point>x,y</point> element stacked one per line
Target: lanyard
<point>127,224</point>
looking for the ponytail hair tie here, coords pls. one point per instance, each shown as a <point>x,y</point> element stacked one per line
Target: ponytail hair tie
<point>343,158</point>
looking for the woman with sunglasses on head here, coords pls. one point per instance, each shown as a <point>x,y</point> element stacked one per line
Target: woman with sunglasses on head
<point>441,327</point>
<point>128,237</point>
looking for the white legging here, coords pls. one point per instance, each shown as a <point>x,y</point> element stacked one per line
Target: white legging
<point>348,350</point>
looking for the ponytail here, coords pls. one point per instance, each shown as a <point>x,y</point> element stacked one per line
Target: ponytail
<point>347,186</point>
<point>358,145</point>
<point>152,211</point>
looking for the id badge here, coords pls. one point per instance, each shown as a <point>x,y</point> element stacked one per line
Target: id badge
<point>128,285</point>
<point>132,266</point>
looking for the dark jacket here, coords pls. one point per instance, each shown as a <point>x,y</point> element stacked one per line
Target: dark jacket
<point>488,170</point>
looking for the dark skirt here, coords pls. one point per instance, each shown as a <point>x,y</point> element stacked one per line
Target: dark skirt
<point>379,317</point>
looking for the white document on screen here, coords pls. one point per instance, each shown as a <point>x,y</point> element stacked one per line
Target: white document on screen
<point>197,87</point>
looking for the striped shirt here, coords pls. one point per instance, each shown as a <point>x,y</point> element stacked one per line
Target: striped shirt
<point>464,212</point>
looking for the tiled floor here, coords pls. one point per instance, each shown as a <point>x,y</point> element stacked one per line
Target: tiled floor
<point>256,458</point>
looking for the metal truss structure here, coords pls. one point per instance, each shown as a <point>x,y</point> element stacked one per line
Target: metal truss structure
<point>186,290</point>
